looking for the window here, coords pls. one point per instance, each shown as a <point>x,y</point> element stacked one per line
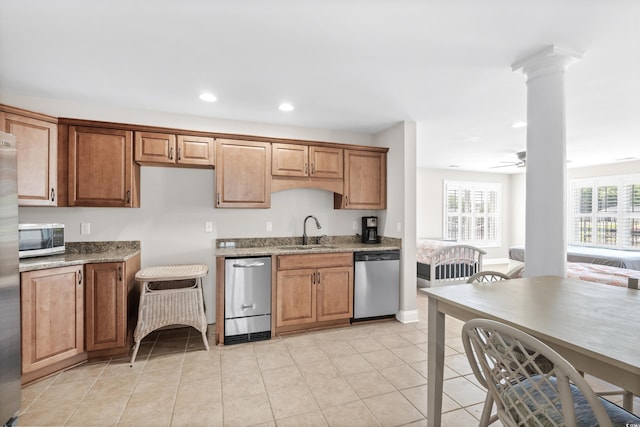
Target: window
<point>472,212</point>
<point>605,211</point>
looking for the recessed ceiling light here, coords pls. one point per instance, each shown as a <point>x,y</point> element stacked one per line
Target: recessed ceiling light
<point>519,125</point>
<point>208,97</point>
<point>454,166</point>
<point>285,106</point>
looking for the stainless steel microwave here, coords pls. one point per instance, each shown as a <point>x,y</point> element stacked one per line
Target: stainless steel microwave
<point>40,239</point>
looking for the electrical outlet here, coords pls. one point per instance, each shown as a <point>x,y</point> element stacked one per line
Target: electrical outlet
<point>399,227</point>
<point>355,225</point>
<point>208,227</point>
<point>85,228</point>
<point>268,226</point>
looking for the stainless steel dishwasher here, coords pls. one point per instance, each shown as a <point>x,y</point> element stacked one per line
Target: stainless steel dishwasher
<point>377,284</point>
<point>247,299</point>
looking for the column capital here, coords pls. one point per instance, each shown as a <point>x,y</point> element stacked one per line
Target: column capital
<point>551,59</point>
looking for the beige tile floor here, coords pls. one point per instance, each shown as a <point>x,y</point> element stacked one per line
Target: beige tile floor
<point>363,375</point>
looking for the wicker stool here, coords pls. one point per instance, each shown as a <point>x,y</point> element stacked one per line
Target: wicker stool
<point>164,305</point>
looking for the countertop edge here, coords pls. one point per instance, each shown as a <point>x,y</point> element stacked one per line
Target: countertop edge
<point>275,250</point>
<point>54,261</point>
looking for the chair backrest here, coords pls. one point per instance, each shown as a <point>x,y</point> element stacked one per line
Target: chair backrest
<point>509,362</point>
<point>487,276</point>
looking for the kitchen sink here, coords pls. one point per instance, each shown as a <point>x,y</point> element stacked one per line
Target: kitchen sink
<point>305,247</point>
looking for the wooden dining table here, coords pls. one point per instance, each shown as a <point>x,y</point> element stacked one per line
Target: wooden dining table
<point>595,327</point>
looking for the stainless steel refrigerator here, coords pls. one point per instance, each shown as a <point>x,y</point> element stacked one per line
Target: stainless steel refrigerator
<point>9,283</point>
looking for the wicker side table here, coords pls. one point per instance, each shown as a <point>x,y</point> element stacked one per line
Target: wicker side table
<point>165,305</point>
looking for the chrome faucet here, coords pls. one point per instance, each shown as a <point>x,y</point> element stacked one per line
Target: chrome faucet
<point>304,228</point>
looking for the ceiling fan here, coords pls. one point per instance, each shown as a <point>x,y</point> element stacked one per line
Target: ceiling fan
<point>522,161</point>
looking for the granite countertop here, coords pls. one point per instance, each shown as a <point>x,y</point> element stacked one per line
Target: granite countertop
<point>78,253</point>
<point>293,246</point>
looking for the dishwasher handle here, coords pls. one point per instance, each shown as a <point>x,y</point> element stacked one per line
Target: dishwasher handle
<point>377,256</point>
<point>250,265</point>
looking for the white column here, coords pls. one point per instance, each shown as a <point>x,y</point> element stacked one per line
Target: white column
<point>546,234</point>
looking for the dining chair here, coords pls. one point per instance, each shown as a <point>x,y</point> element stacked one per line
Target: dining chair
<point>507,361</point>
<point>487,276</point>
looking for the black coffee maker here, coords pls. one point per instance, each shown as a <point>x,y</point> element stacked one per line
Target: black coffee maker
<point>370,229</point>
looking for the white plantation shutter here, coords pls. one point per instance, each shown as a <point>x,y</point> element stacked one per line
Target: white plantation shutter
<point>472,212</point>
<point>605,211</point>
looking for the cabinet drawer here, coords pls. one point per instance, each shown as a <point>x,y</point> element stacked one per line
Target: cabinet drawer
<point>293,262</point>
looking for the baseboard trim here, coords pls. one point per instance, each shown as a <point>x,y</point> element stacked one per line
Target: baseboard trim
<point>492,261</point>
<point>407,316</point>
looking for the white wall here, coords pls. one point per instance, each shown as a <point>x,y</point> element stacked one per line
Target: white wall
<point>429,207</point>
<point>176,202</point>
<point>399,219</point>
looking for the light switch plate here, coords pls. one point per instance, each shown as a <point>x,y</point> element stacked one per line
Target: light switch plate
<point>85,228</point>
<point>208,227</point>
<point>355,225</point>
<point>399,227</point>
<point>268,226</point>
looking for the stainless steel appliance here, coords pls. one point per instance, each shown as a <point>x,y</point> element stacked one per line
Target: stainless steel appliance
<point>9,283</point>
<point>41,239</point>
<point>377,284</point>
<point>370,229</point>
<point>247,299</point>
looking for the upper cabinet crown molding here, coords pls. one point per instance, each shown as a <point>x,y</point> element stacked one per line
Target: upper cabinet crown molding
<point>74,162</point>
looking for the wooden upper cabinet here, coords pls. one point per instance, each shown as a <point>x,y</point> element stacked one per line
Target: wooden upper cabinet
<point>365,181</point>
<point>290,160</point>
<point>37,141</point>
<point>243,174</point>
<point>326,162</point>
<point>101,168</point>
<point>163,149</point>
<point>306,161</point>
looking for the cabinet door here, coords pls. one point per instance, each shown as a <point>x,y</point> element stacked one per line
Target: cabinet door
<point>335,293</point>
<point>37,158</point>
<point>290,160</point>
<point>295,297</point>
<point>52,316</point>
<point>365,180</point>
<point>155,148</point>
<point>243,174</point>
<point>105,306</point>
<point>196,150</point>
<point>326,162</point>
<point>101,168</point>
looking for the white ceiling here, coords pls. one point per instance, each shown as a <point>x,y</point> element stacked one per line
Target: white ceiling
<point>351,65</point>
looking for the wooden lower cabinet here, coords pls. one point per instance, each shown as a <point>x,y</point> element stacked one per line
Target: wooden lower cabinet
<point>313,291</point>
<point>52,313</point>
<point>110,303</point>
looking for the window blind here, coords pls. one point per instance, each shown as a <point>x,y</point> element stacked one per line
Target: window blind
<point>605,211</point>
<point>472,212</point>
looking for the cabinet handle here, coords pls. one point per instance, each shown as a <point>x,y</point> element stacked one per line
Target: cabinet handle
<point>218,199</point>
<point>128,196</point>
<point>179,154</point>
<point>318,280</point>
<point>346,198</point>
<point>119,274</point>
<point>170,153</point>
<point>313,168</point>
<point>53,194</point>
<point>306,168</point>
<point>79,277</point>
